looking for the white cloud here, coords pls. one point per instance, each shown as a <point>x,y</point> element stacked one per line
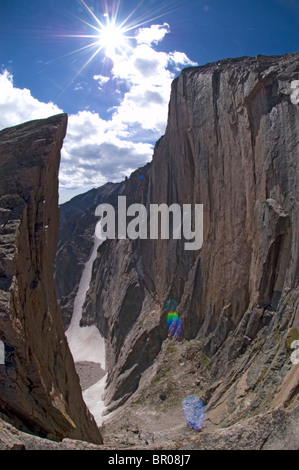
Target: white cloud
<point>152,35</point>
<point>97,150</point>
<point>179,60</point>
<point>93,153</point>
<point>101,79</point>
<point>148,74</point>
<point>17,106</point>
<point>144,107</point>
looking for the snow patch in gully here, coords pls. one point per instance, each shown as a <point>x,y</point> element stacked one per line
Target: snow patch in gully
<point>86,343</point>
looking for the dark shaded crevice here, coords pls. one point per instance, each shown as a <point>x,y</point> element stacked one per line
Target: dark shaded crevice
<point>216,77</point>
<point>128,314</point>
<point>274,269</point>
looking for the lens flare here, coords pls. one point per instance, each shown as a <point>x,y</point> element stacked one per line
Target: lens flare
<point>174,325</point>
<point>194,412</point>
<point>173,320</point>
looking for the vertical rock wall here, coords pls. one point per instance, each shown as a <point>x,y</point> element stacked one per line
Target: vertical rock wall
<point>39,388</point>
<point>231,144</point>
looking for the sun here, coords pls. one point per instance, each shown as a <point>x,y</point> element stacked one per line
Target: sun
<point>112,39</point>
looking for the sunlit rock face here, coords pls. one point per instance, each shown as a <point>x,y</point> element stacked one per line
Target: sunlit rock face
<point>231,144</point>
<point>39,388</point>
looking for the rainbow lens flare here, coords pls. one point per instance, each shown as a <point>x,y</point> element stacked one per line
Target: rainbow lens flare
<point>173,320</point>
<point>174,325</point>
<point>194,412</point>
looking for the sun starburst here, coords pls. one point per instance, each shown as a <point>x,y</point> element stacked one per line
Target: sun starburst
<point>111,37</point>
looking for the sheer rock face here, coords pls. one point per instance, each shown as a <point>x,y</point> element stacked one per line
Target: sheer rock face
<point>39,388</point>
<point>231,144</point>
<point>237,128</point>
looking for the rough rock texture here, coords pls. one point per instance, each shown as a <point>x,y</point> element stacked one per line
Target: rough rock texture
<point>231,144</point>
<point>77,225</point>
<point>39,387</point>
<point>12,438</point>
<point>275,430</point>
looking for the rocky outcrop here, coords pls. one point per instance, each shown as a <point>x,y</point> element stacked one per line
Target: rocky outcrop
<point>231,144</point>
<point>39,387</point>
<point>274,430</point>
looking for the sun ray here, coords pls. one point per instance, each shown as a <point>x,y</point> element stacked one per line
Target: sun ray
<point>159,12</point>
<point>79,72</point>
<point>88,46</point>
<point>111,36</point>
<point>92,13</point>
<point>130,15</point>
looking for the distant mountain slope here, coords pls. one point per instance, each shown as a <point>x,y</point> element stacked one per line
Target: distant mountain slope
<point>75,241</point>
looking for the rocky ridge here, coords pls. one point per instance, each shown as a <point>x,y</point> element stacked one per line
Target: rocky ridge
<point>276,430</point>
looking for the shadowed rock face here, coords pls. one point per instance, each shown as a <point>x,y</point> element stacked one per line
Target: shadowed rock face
<point>39,388</point>
<point>77,225</point>
<point>231,144</point>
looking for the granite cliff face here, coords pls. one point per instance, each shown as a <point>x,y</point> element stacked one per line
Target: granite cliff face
<point>39,388</point>
<point>231,144</point>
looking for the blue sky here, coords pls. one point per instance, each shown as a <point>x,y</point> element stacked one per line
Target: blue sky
<point>56,56</point>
